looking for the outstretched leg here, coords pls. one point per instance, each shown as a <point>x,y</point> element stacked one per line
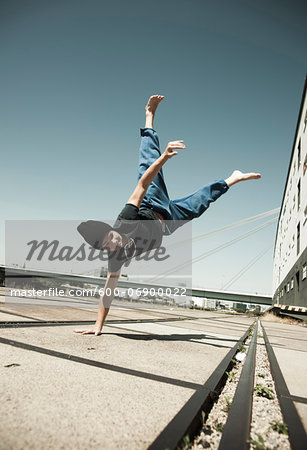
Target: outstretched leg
<point>194,205</point>
<point>156,197</point>
<point>150,147</point>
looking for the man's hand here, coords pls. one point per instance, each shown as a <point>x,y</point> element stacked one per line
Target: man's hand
<point>96,330</point>
<point>169,151</point>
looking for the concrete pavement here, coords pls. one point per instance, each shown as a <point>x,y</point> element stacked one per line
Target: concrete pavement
<point>147,371</point>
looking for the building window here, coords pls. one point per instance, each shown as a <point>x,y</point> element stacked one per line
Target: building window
<point>288,287</point>
<point>292,283</point>
<point>298,236</point>
<point>298,195</point>
<point>304,271</point>
<point>305,121</point>
<point>297,275</point>
<point>299,154</point>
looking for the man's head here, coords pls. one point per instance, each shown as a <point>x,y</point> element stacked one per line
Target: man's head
<point>112,241</point>
<point>100,235</point>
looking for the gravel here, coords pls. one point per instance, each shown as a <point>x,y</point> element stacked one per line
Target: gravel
<point>211,432</point>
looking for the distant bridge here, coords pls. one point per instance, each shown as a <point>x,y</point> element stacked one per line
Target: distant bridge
<point>238,297</point>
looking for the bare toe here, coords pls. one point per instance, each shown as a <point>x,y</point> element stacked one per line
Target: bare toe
<point>153,103</point>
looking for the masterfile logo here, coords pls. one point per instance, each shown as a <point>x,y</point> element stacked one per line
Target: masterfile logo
<point>48,261</point>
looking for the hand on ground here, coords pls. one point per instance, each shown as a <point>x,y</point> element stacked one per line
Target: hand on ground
<point>94,330</point>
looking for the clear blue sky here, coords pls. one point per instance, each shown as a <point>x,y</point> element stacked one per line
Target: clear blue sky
<point>75,76</point>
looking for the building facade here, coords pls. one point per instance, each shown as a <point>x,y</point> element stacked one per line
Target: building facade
<point>290,254</point>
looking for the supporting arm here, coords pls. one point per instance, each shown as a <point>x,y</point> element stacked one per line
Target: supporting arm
<point>104,305</point>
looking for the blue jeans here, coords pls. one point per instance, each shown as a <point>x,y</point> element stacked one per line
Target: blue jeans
<point>157,199</point>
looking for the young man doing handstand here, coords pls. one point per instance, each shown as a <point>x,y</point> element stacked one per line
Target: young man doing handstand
<point>140,226</point>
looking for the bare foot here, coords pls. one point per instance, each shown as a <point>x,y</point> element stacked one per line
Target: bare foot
<point>153,103</point>
<point>150,109</point>
<point>238,176</point>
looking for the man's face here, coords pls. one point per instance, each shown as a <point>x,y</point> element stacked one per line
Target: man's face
<point>112,241</point>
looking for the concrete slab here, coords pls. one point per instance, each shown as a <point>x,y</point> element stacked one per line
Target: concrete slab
<point>51,402</point>
<point>302,410</point>
<point>171,332</point>
<point>83,314</point>
<point>292,337</point>
<point>213,325</point>
<point>163,353</point>
<point>293,363</point>
<point>49,313</point>
<point>4,317</point>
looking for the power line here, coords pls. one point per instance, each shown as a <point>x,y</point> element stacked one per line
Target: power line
<point>238,224</point>
<point>228,227</point>
<point>217,249</point>
<point>246,267</point>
